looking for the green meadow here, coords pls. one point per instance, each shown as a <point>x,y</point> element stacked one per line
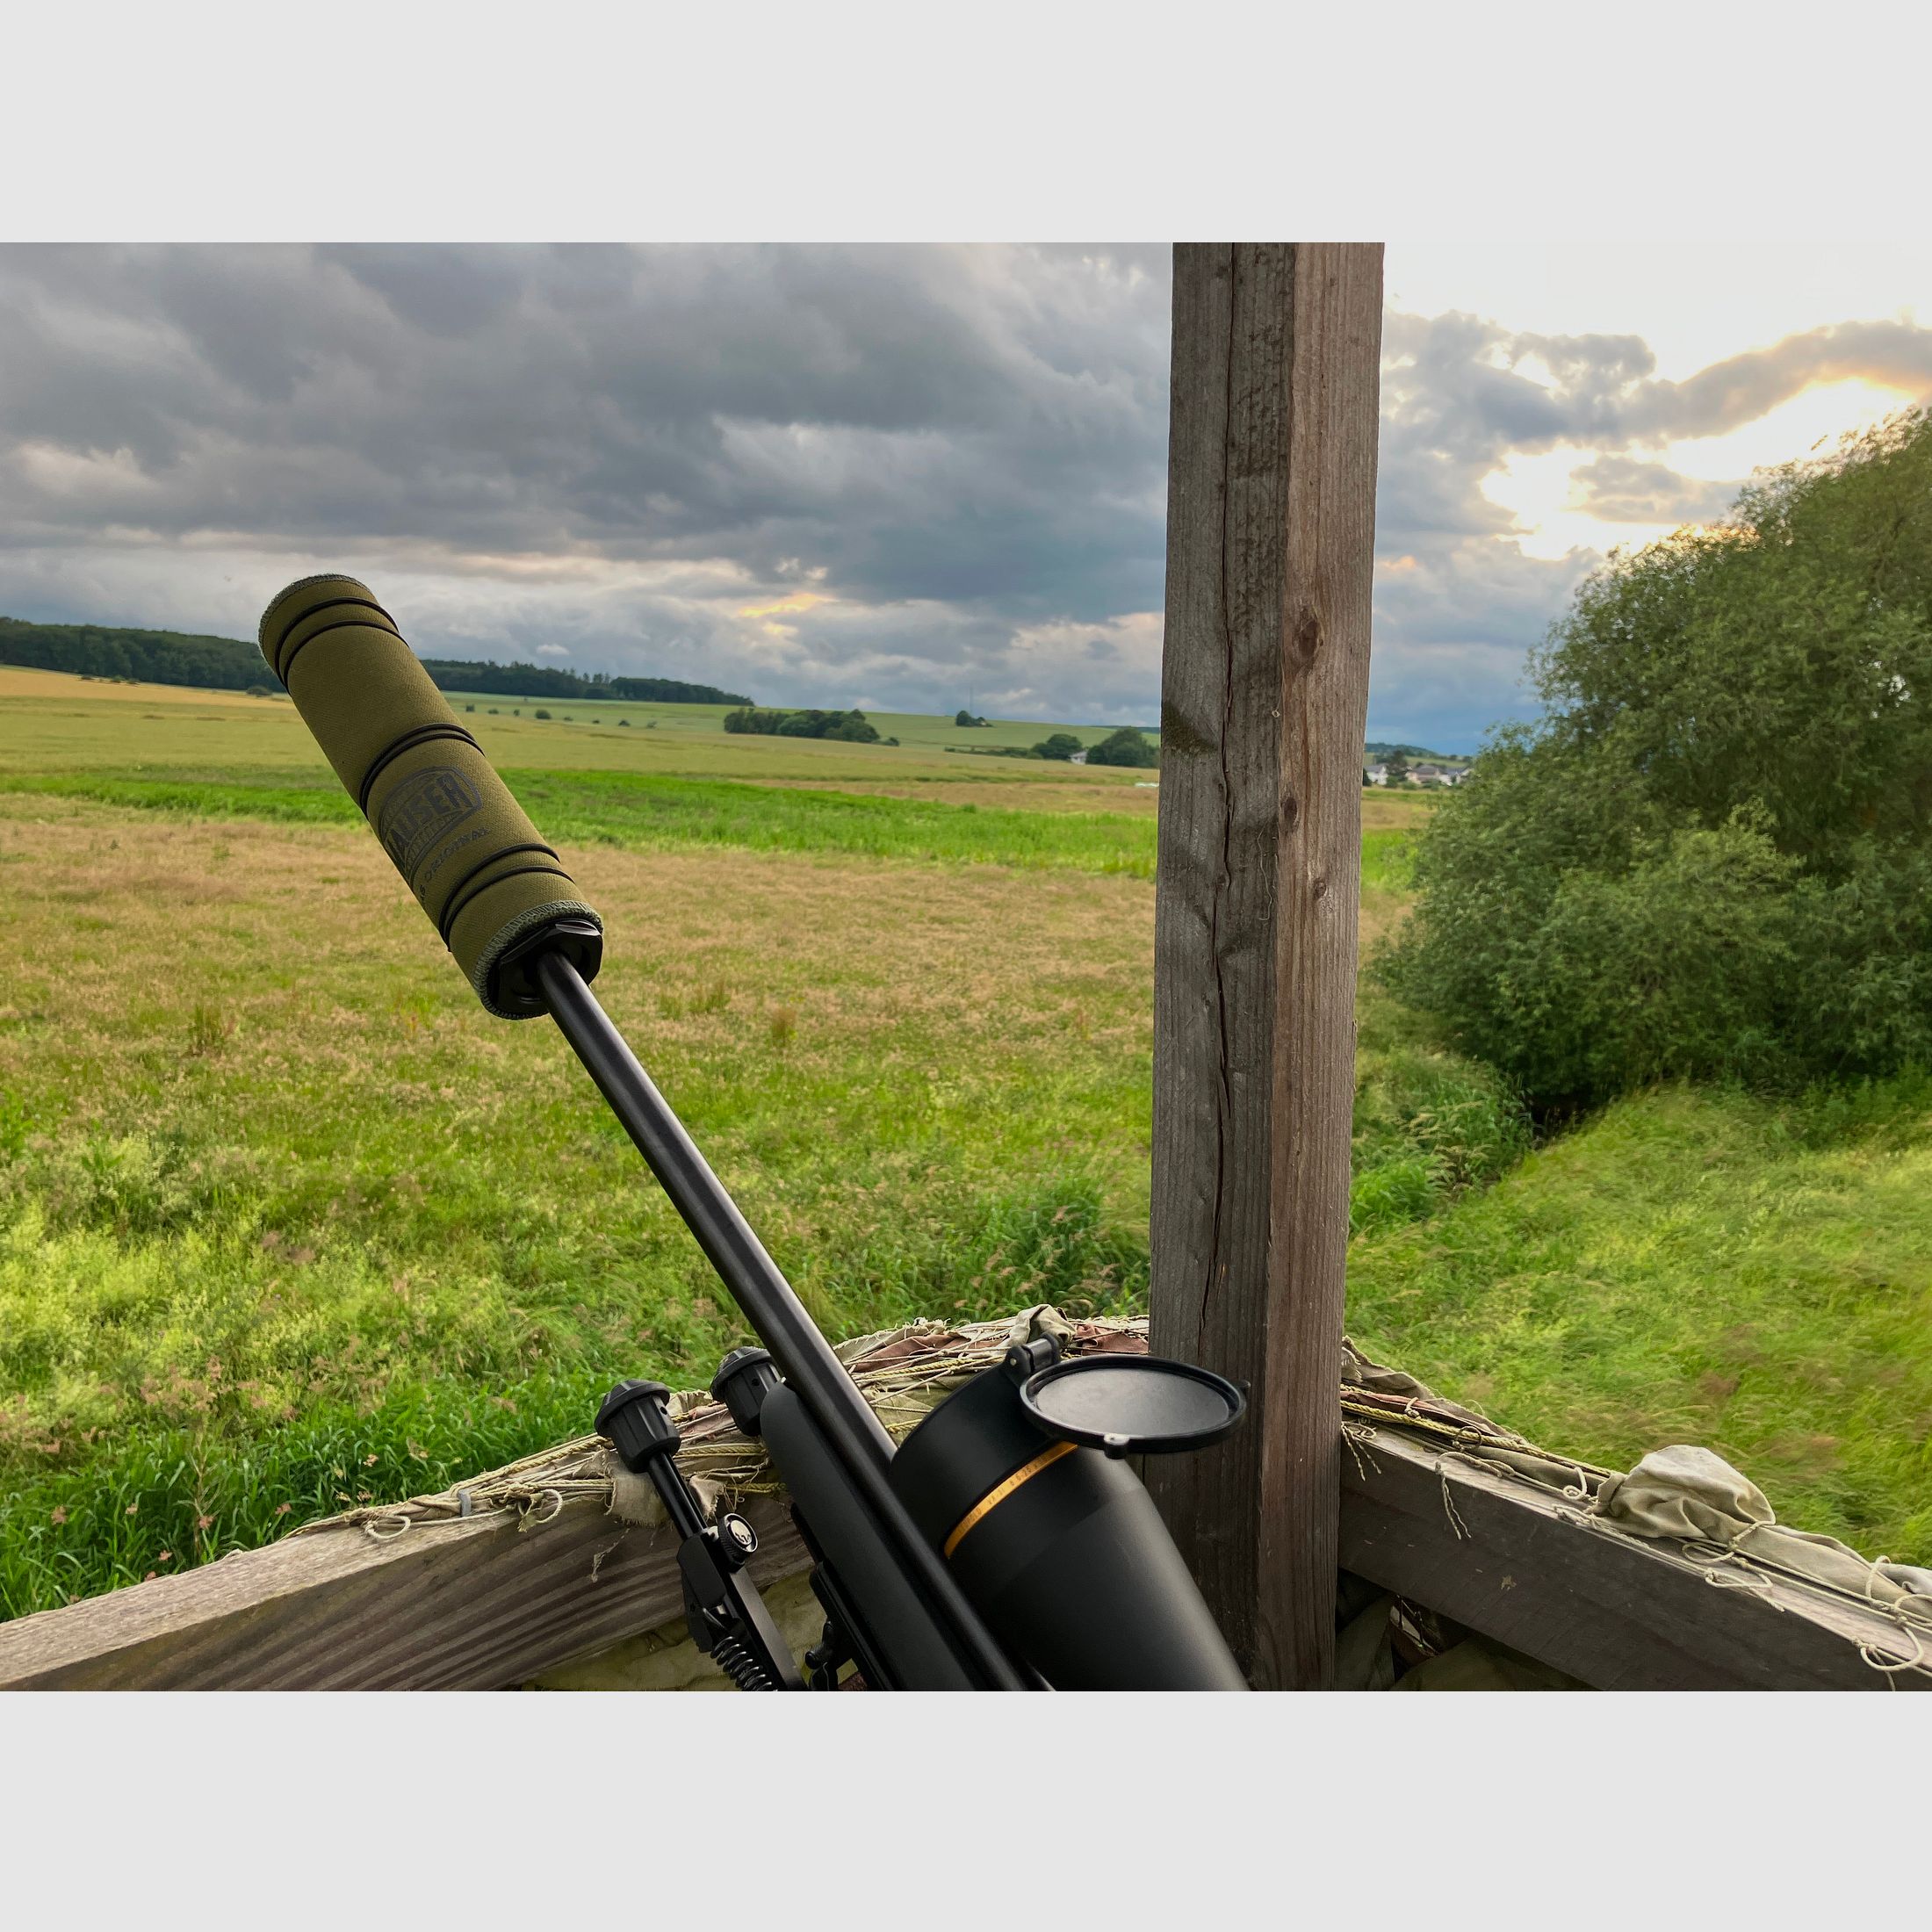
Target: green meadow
<point>286,1221</point>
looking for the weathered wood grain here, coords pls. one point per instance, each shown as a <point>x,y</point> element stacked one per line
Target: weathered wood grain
<point>1271,528</point>
<point>1620,1614</point>
<point>473,1605</point>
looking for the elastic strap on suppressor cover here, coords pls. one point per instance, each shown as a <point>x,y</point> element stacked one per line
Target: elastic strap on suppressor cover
<point>466,848</point>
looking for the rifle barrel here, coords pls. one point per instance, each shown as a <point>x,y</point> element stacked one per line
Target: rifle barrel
<point>768,1300</point>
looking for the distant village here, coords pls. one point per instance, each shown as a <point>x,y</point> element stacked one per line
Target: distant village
<point>1400,771</point>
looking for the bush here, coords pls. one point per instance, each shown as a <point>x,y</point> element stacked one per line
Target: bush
<point>1713,856</point>
<point>539,713</point>
<point>1060,744</point>
<point>1125,747</point>
<point>966,721</point>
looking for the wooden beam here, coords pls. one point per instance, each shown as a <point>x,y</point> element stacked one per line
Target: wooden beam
<point>474,1602</point>
<point>473,1605</point>
<point>1270,551</point>
<point>1620,1613</point>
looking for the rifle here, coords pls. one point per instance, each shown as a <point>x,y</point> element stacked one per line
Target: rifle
<point>1006,1545</point>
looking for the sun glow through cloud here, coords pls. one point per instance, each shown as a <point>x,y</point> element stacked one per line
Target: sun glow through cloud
<point>1809,423</point>
<point>1548,493</point>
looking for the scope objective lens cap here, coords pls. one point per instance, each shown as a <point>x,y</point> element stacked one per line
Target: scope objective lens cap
<point>1133,1405</point>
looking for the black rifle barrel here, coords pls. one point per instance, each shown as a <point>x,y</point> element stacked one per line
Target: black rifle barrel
<point>803,1354</point>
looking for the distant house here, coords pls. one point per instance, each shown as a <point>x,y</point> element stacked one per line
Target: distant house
<point>1437,774</point>
<point>1378,774</point>
<point>1076,758</point>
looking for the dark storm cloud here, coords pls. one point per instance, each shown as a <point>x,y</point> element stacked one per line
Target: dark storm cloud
<point>823,474</point>
<point>920,423</point>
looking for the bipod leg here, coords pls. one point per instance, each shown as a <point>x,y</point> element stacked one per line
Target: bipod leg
<point>725,1615</point>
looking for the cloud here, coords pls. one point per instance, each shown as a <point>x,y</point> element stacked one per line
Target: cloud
<point>823,474</point>
<point>1621,489</point>
<point>1741,388</point>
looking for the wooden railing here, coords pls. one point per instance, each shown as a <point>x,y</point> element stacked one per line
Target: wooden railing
<point>557,1561</point>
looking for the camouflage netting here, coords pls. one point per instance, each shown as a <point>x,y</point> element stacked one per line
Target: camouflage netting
<point>1688,1498</point>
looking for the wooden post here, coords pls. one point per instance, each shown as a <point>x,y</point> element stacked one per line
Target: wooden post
<point>1269,550</point>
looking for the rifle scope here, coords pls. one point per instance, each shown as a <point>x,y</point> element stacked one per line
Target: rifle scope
<point>1007,1545</point>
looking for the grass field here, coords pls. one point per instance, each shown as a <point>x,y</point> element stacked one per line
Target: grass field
<point>286,1221</point>
<point>53,723</point>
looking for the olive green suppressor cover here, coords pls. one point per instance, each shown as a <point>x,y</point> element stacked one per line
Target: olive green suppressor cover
<point>471,856</point>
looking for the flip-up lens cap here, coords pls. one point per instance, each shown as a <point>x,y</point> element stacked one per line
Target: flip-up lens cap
<point>1133,1405</point>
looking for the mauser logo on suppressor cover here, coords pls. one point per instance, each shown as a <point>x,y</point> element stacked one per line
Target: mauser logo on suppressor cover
<point>421,813</point>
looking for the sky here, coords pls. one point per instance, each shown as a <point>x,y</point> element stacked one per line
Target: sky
<point>901,477</point>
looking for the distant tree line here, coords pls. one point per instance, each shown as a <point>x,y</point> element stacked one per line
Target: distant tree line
<point>849,727</point>
<point>227,664</point>
<point>150,657</point>
<point>546,681</point>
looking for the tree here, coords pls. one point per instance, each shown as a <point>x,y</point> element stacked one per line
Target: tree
<point>1125,747</point>
<point>964,720</point>
<point>852,727</point>
<point>1062,745</point>
<point>1397,769</point>
<point>1713,853</point>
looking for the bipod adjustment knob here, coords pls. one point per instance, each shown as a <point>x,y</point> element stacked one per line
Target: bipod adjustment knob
<point>635,1419</point>
<point>737,1539</point>
<point>743,1378</point>
<point>1025,1360</point>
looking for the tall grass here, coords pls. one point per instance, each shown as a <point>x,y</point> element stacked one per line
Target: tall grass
<point>1698,1267</point>
<point>210,1391</point>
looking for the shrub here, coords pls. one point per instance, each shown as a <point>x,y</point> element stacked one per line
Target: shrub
<point>539,712</point>
<point>1125,747</point>
<point>1061,745</point>
<point>1712,855</point>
